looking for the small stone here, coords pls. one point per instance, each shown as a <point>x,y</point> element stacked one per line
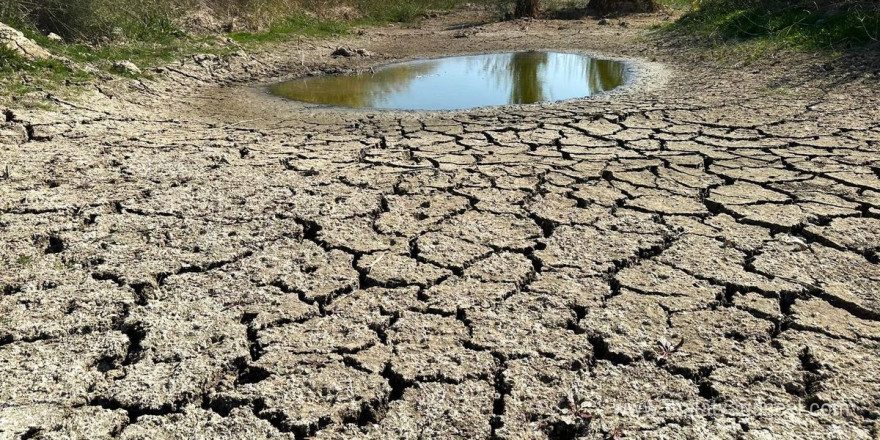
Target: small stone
<point>55,37</point>
<point>91,70</point>
<point>126,67</point>
<point>343,52</point>
<point>796,243</point>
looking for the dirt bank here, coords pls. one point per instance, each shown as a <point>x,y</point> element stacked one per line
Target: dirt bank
<point>692,257</point>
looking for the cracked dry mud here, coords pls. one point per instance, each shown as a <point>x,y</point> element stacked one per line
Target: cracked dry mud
<point>186,261</point>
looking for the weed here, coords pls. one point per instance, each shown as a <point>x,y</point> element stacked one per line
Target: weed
<point>572,426</point>
<point>24,260</point>
<point>666,349</point>
<point>585,417</point>
<point>617,434</point>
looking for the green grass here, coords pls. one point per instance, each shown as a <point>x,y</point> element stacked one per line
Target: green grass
<point>20,77</point>
<point>298,25</point>
<point>145,54</point>
<point>372,13</point>
<point>759,26</point>
<point>389,11</point>
<point>682,5</point>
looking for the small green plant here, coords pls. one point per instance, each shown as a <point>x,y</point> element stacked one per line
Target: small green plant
<point>24,260</point>
<point>666,349</point>
<point>584,417</point>
<point>617,434</point>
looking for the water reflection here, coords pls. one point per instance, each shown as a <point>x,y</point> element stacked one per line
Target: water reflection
<point>357,91</point>
<point>462,82</point>
<point>525,75</point>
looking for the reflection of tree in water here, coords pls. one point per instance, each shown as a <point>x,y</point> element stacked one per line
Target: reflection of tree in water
<point>518,78</point>
<point>359,91</point>
<point>525,73</point>
<point>604,75</point>
<point>518,72</point>
<point>524,70</point>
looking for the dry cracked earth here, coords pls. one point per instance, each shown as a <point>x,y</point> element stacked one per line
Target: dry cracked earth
<point>656,263</point>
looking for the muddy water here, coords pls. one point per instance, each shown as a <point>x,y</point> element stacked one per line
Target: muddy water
<point>462,82</point>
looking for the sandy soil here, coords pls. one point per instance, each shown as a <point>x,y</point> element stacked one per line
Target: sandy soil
<point>695,256</point>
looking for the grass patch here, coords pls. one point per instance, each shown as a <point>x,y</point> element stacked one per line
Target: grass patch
<point>149,33</point>
<point>759,26</point>
<point>27,82</point>
<point>297,25</point>
<point>19,78</point>
<point>145,54</point>
<point>318,22</point>
<point>681,5</point>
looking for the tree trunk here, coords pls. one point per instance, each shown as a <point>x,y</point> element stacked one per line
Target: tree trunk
<point>526,8</point>
<point>605,7</point>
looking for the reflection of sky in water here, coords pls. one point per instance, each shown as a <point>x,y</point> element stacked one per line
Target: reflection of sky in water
<point>462,82</point>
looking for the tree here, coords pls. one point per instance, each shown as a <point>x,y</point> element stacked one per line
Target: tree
<point>526,8</point>
<point>605,7</point>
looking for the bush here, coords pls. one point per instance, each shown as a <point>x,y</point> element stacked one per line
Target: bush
<point>155,20</point>
<point>811,24</point>
<point>92,20</point>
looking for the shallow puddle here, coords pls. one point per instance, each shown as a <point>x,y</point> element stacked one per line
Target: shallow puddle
<point>462,82</point>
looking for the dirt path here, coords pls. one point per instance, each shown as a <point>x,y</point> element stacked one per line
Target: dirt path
<point>695,257</point>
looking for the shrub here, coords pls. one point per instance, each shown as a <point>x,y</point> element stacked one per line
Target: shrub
<point>811,24</point>
<point>155,20</point>
<point>92,20</point>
